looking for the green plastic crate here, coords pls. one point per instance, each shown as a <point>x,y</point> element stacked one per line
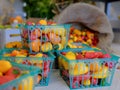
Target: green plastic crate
<point>77,74</point>
<point>23,81</point>
<point>44,64</point>
<point>41,35</point>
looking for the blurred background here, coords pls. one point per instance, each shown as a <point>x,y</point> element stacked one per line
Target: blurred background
<point>50,8</point>
<point>17,11</point>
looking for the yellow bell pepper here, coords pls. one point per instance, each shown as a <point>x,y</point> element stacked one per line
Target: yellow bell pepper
<point>70,55</point>
<point>59,31</point>
<point>9,45</point>
<point>70,41</point>
<point>43,22</point>
<point>39,55</point>
<point>4,66</point>
<point>86,82</point>
<point>63,41</point>
<point>75,38</point>
<point>26,84</point>
<point>78,69</point>
<point>46,47</point>
<point>65,64</point>
<point>95,67</point>
<point>102,73</point>
<point>35,45</point>
<point>77,32</point>
<point>74,46</point>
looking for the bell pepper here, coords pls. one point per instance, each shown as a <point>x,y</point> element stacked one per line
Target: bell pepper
<point>110,64</point>
<point>103,73</point>
<point>106,56</point>
<point>77,32</point>
<point>60,32</point>
<point>46,47</point>
<point>26,84</point>
<point>35,45</point>
<point>55,39</point>
<point>95,67</point>
<point>39,55</point>
<point>75,38</point>
<point>83,33</point>
<point>4,79</point>
<point>70,41</point>
<point>74,46</point>
<point>36,32</point>
<point>89,41</point>
<point>63,53</point>
<point>70,55</point>
<point>9,45</point>
<point>42,22</point>
<point>90,35</point>
<point>78,68</point>
<point>79,56</point>
<point>86,82</point>
<point>65,64</point>
<point>63,41</point>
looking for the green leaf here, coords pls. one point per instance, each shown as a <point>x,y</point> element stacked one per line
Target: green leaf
<point>15,71</point>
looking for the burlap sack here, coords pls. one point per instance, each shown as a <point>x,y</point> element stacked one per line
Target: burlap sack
<point>93,18</point>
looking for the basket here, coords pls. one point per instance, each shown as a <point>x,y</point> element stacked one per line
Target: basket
<point>44,64</point>
<point>26,82</point>
<point>86,73</point>
<point>39,38</point>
